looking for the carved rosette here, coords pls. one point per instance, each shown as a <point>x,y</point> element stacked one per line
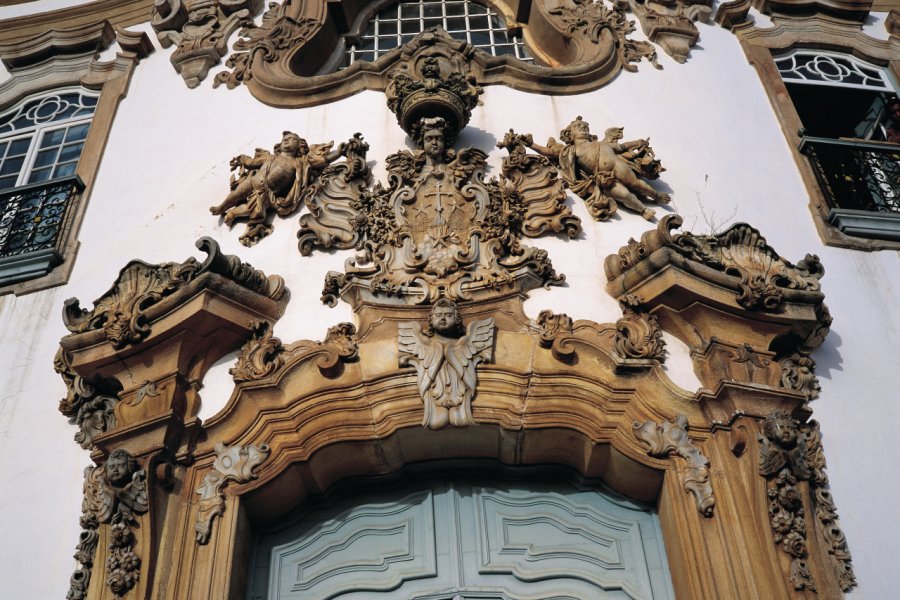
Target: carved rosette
<point>199,29</point>
<point>232,463</point>
<point>668,438</point>
<point>788,454</point>
<point>113,495</point>
<point>122,313</point>
<point>638,336</point>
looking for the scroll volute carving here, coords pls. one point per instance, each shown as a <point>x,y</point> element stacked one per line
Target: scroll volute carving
<point>739,306</point>
<point>155,333</point>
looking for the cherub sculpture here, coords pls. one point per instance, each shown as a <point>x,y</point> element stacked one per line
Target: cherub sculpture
<point>605,172</point>
<point>445,357</point>
<point>784,446</point>
<point>279,182</point>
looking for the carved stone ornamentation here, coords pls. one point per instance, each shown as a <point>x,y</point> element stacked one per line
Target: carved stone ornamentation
<point>113,495</point>
<point>638,336</point>
<point>90,404</point>
<point>605,173</point>
<point>233,463</point>
<point>798,372</point>
<point>261,356</point>
<point>200,30</point>
<point>122,312</point>
<point>279,181</point>
<point>445,357</point>
<point>556,334</point>
<point>536,182</point>
<point>670,23</point>
<point>788,454</point>
<point>669,438</point>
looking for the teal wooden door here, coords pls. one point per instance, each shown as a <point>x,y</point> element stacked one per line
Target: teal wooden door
<point>466,540</point>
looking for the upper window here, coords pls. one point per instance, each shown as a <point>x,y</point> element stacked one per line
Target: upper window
<point>399,23</point>
<point>42,138</point>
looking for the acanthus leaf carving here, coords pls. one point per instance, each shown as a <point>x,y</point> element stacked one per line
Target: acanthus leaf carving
<point>199,29</point>
<point>232,463</point>
<point>113,494</point>
<point>789,453</point>
<point>536,182</point>
<point>261,356</point>
<point>638,335</point>
<point>445,357</point>
<point>798,372</point>
<point>605,173</point>
<point>667,438</point>
<point>556,334</point>
<point>122,312</point>
<point>90,403</point>
<point>279,181</point>
<point>670,23</point>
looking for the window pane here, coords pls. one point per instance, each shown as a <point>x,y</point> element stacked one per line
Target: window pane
<point>39,175</point>
<point>3,145</point>
<point>456,24</point>
<point>71,152</point>
<point>409,11</point>
<point>19,146</point>
<point>387,28</point>
<point>53,138</point>
<point>12,165</point>
<point>432,9</point>
<point>410,27</point>
<point>7,182</point>
<point>77,132</point>
<point>65,169</point>
<point>478,23</point>
<point>45,157</point>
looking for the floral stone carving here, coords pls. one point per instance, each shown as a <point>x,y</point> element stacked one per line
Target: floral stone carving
<point>672,438</point>
<point>638,335</point>
<point>200,30</point>
<point>605,173</point>
<point>113,495</point>
<point>261,356</point>
<point>788,454</point>
<point>670,23</point>
<point>122,312</point>
<point>90,403</point>
<point>276,181</point>
<point>233,463</point>
<point>445,357</point>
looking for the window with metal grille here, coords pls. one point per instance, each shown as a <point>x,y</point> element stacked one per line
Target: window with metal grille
<point>42,138</point>
<point>399,23</point>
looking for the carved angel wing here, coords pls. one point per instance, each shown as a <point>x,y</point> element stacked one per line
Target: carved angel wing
<point>469,160</point>
<point>478,341</point>
<point>419,350</point>
<point>771,458</point>
<point>134,495</point>
<point>321,150</point>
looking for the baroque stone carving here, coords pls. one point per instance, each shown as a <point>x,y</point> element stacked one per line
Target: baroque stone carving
<point>275,181</point>
<point>113,495</point>
<point>605,173</point>
<point>261,356</point>
<point>445,357</point>
<point>232,463</point>
<point>741,251</point>
<point>638,335</point>
<point>788,454</point>
<point>798,372</point>
<point>122,312</point>
<point>199,29</point>
<point>556,334</point>
<point>90,403</point>
<point>670,23</point>
<point>671,438</point>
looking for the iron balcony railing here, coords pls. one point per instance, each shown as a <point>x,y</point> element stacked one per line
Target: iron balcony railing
<point>856,175</point>
<point>32,217</point>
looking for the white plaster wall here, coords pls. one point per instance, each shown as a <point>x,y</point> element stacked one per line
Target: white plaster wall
<point>711,124</point>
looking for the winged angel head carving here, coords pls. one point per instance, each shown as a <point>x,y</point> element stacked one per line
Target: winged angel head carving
<point>445,357</point>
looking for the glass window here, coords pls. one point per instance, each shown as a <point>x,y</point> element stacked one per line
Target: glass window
<point>399,23</point>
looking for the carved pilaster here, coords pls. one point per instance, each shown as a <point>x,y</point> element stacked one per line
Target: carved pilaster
<point>233,463</point>
<point>672,438</point>
<point>199,29</point>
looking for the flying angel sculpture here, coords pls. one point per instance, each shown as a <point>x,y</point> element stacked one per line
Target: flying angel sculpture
<point>445,356</point>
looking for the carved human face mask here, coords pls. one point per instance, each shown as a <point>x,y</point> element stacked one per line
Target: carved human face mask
<point>444,319</point>
<point>117,470</point>
<point>433,143</point>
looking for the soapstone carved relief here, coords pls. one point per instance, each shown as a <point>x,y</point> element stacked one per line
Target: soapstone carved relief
<point>605,173</point>
<point>790,453</point>
<point>278,181</point>
<point>638,335</point>
<point>556,334</point>
<point>261,356</point>
<point>596,20</point>
<point>798,372</point>
<point>232,463</point>
<point>741,252</point>
<point>199,29</point>
<point>445,355</point>
<point>113,495</point>
<point>669,438</point>
<point>670,23</point>
<point>438,229</point>
<point>122,312</point>
<point>91,404</point>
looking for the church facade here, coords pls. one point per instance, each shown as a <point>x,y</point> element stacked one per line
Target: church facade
<point>448,299</point>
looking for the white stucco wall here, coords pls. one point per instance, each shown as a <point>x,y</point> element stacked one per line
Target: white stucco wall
<point>711,125</point>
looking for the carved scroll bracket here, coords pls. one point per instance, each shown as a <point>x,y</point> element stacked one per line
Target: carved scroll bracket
<point>638,341</point>
<point>156,332</point>
<point>669,438</point>
<point>232,463</point>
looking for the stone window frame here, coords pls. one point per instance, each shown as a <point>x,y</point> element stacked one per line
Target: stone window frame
<point>61,59</point>
<point>819,32</point>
